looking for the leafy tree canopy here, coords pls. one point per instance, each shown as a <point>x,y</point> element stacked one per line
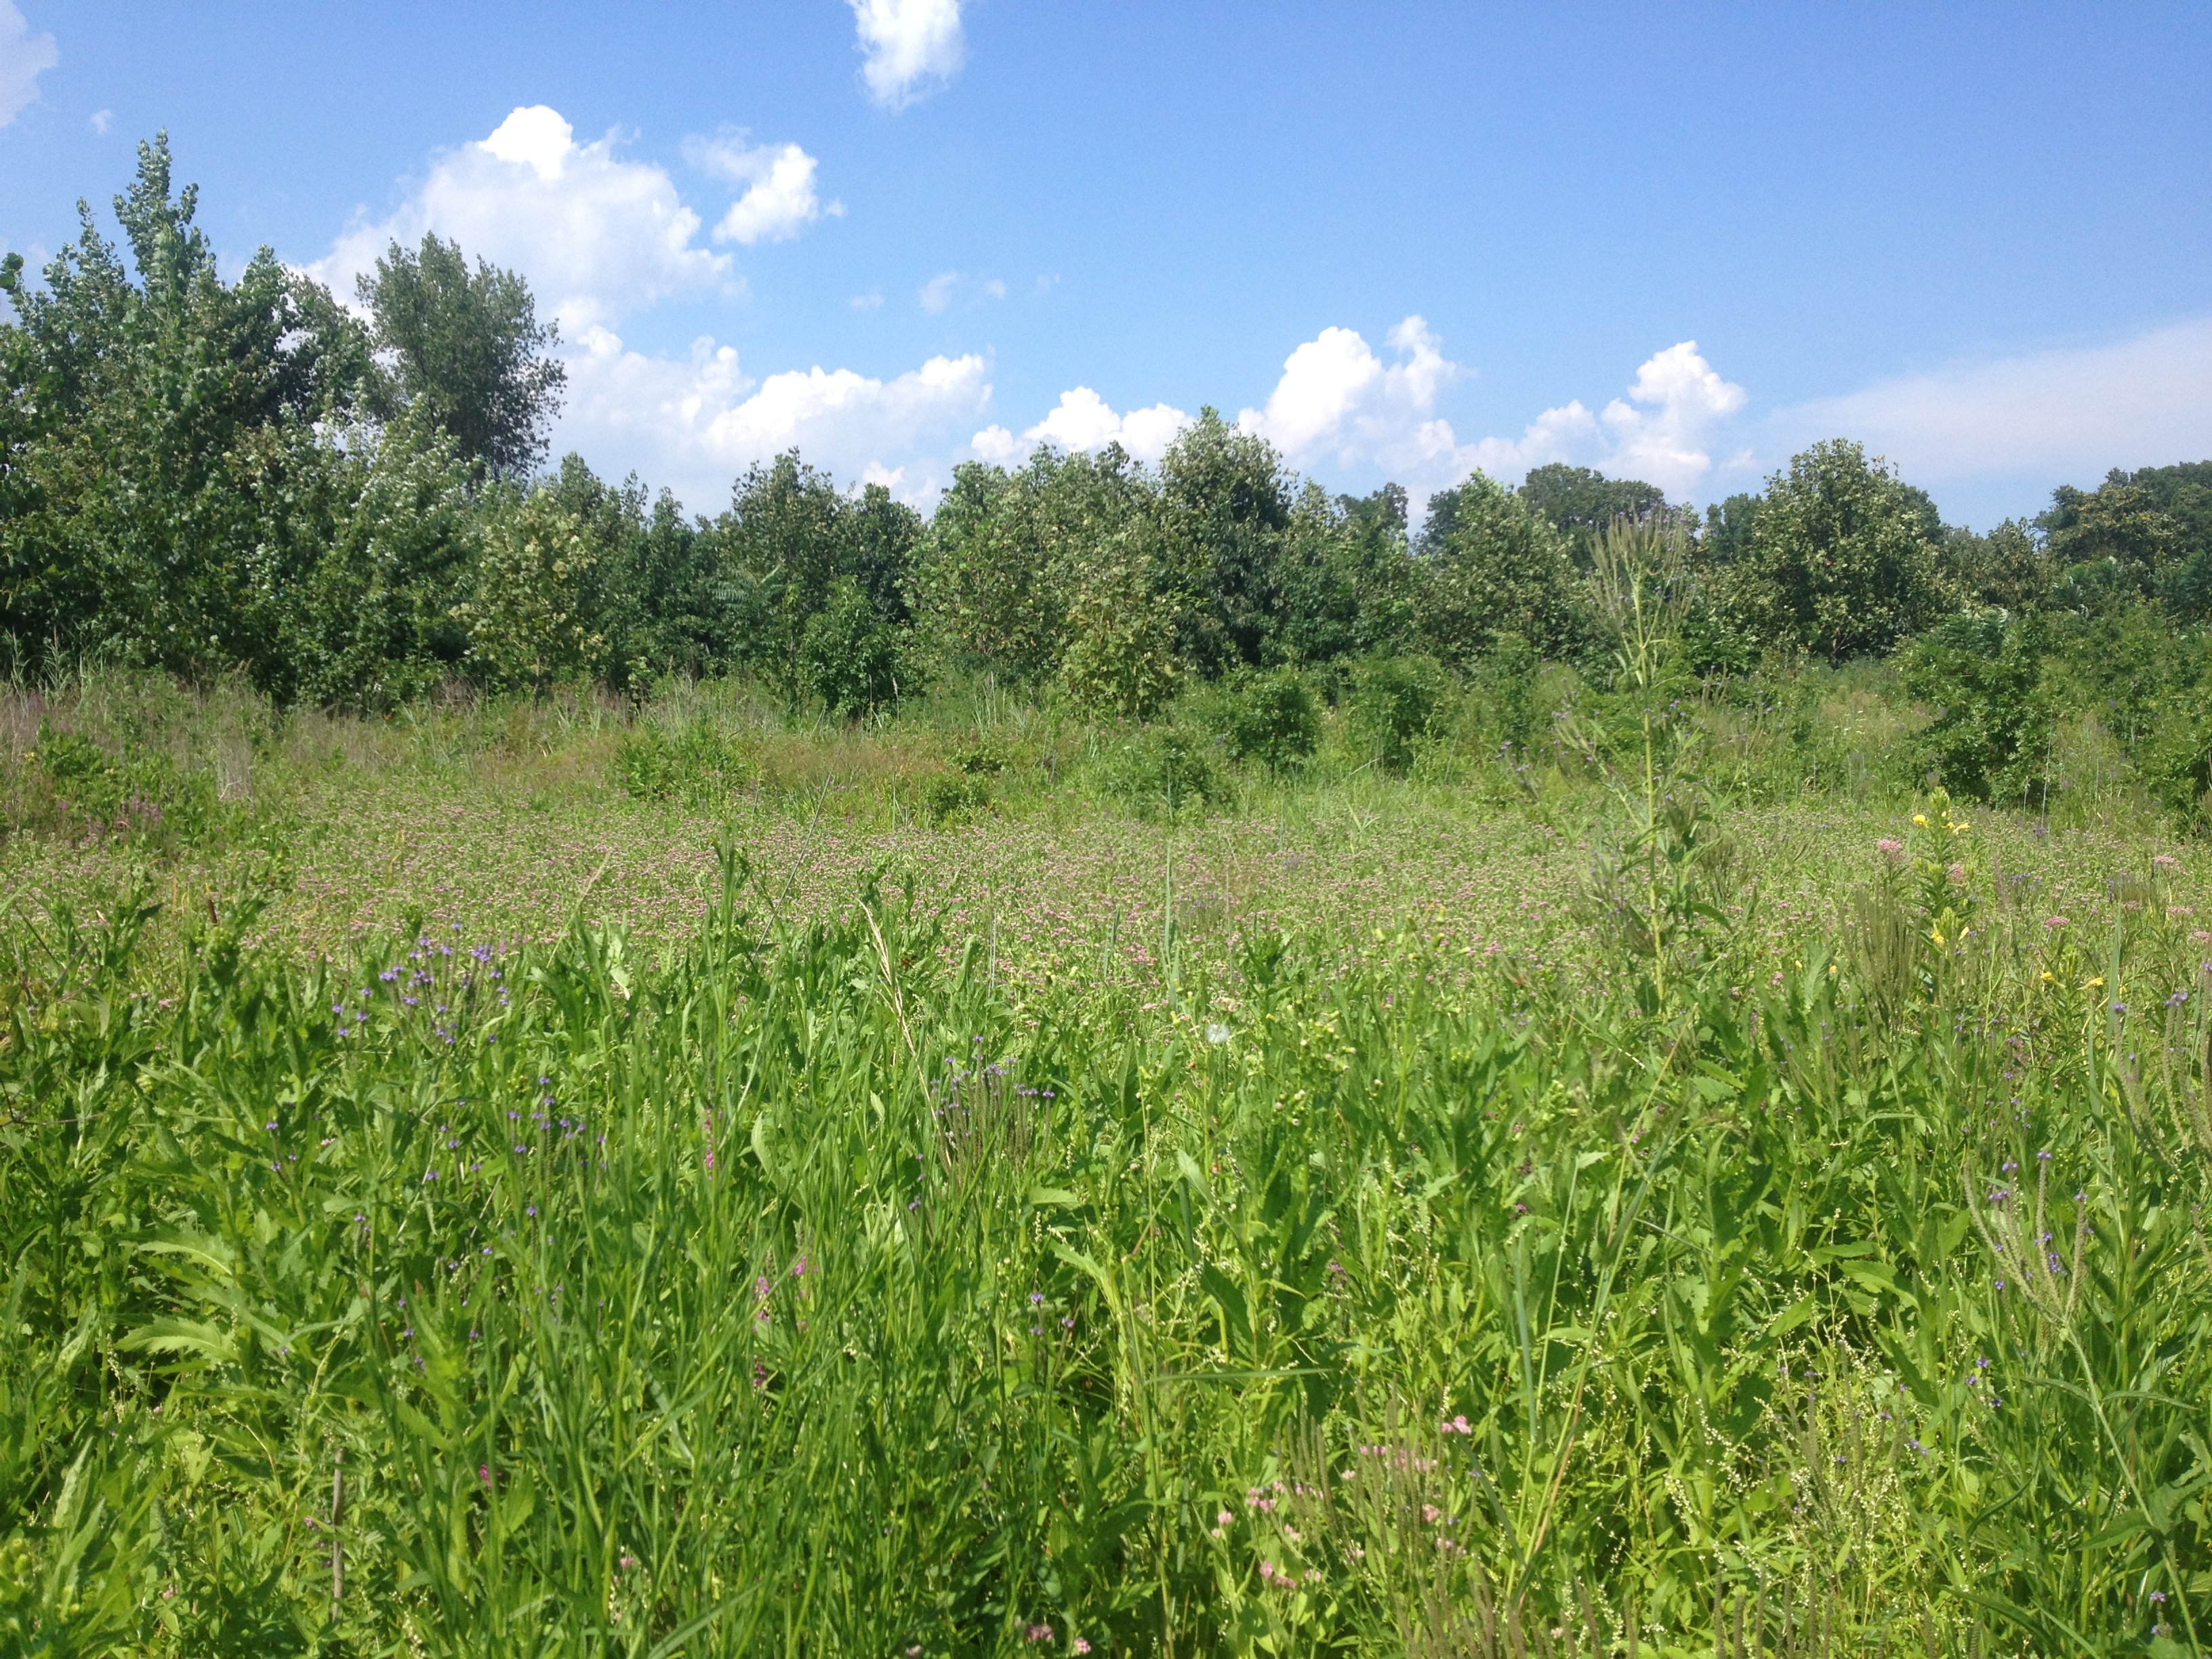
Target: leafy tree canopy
<point>467,352</point>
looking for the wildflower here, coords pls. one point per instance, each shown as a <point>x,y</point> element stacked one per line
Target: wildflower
<point>1920,820</point>
<point>1217,1033</point>
<point>1080,1646</point>
<point>484,1472</point>
<point>1038,1632</point>
<point>1890,848</point>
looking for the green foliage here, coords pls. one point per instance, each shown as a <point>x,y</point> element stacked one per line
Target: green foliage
<point>163,469</point>
<point>697,764</point>
<point>1841,560</point>
<point>850,654</point>
<point>1225,502</point>
<point>952,798</point>
<point>396,1302</point>
<point>140,795</point>
<point>2142,534</point>
<point>537,612</point>
<point>2150,688</point>
<point>1272,717</point>
<point>1121,659</point>
<point>1164,771</point>
<point>1579,501</point>
<point>1489,566</point>
<point>2009,570</point>
<point>1506,680</point>
<point>371,626</point>
<point>1398,704</point>
<point>469,353</point>
<point>1992,733</point>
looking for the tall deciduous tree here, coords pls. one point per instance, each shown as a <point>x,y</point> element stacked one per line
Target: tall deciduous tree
<point>159,442</point>
<point>468,352</point>
<point>1225,504</point>
<point>1843,559</point>
<point>1579,503</point>
<point>1489,566</point>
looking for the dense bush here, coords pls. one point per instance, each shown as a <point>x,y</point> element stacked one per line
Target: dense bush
<point>1991,736</point>
<point>1398,703</point>
<point>1272,718</point>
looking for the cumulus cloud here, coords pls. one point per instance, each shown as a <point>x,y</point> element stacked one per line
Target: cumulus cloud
<point>909,47</point>
<point>2071,414</point>
<point>1083,420</point>
<point>1664,431</point>
<point>780,200</point>
<point>101,120</point>
<point>695,422</point>
<point>1338,402</point>
<point>24,57</point>
<point>598,236</point>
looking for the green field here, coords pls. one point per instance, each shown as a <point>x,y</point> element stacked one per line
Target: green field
<point>579,1177</point>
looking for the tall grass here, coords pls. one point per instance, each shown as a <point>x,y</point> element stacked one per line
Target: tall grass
<point>809,1286</point>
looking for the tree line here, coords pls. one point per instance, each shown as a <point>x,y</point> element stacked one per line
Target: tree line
<point>351,508</point>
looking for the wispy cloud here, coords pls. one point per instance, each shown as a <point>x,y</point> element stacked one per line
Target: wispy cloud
<point>24,57</point>
<point>2070,414</point>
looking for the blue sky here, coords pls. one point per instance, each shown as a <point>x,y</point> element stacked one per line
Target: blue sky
<point>1403,241</point>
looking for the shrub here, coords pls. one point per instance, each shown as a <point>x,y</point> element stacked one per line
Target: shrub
<point>536,613</point>
<point>954,798</point>
<point>1991,739</point>
<point>1272,718</point>
<point>138,796</point>
<point>1398,705</point>
<point>1506,680</point>
<point>850,656</point>
<point>698,765</point>
<point>1165,770</point>
<point>983,755</point>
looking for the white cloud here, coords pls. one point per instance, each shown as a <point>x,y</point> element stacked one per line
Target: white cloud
<point>780,200</point>
<point>24,57</point>
<point>937,296</point>
<point>597,236</point>
<point>995,444</point>
<point>1338,401</point>
<point>1663,430</point>
<point>2071,414</point>
<point>694,422</point>
<point>1082,420</point>
<point>101,120</point>
<point>910,47</point>
<point>870,301</point>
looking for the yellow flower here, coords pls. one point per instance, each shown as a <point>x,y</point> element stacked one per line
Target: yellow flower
<point>1960,829</point>
<point>1831,967</point>
<point>2048,978</point>
<point>1935,933</point>
<point>2093,984</point>
<point>1921,819</point>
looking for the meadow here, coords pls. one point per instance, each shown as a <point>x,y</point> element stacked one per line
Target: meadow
<point>583,1176</point>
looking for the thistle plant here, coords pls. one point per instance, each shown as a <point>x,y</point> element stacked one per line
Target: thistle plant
<point>1654,885</point>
